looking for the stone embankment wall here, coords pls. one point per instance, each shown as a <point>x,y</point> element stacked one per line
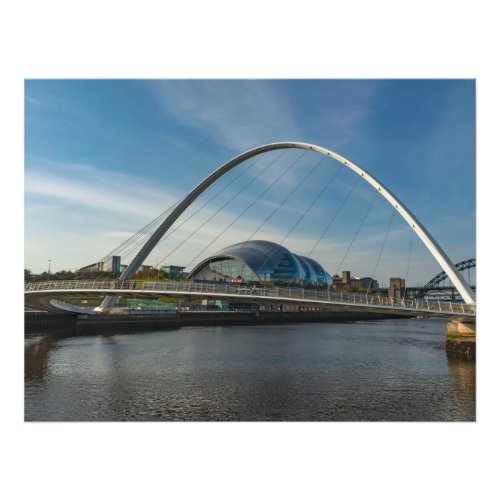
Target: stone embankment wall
<point>41,322</point>
<point>115,323</point>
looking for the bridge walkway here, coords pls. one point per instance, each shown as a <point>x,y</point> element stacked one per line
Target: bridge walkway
<point>264,294</point>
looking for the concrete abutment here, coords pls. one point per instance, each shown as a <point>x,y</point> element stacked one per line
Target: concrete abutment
<point>461,339</point>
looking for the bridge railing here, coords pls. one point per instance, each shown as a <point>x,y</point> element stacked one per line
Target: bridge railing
<point>328,296</point>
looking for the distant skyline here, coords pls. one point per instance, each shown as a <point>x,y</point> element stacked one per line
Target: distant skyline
<point>104,157</point>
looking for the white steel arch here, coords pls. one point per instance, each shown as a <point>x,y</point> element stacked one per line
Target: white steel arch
<point>436,251</point>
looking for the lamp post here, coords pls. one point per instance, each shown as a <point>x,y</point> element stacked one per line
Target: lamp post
<point>49,267</point>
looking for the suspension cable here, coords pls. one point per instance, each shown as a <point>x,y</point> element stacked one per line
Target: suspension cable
<point>382,248</point>
<point>132,243</point>
<point>308,209</point>
<point>332,219</point>
<point>344,201</point>
<point>203,206</point>
<point>212,198</point>
<point>302,216</point>
<point>409,258</point>
<point>139,234</point>
<point>227,203</point>
<point>301,181</point>
<point>357,231</point>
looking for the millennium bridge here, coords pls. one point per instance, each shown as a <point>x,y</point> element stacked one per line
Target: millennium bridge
<point>36,295</point>
<point>48,294</point>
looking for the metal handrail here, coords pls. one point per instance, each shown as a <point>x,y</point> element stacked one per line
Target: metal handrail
<point>228,289</point>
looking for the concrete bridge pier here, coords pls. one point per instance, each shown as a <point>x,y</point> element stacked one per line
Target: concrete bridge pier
<point>461,339</point>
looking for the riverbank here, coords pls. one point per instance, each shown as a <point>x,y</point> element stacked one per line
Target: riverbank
<point>91,325</point>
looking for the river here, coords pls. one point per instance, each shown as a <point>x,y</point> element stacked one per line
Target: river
<point>391,370</point>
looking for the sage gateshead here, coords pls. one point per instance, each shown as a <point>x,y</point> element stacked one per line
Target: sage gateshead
<point>260,261</point>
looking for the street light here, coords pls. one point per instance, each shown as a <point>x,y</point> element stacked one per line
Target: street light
<point>49,268</point>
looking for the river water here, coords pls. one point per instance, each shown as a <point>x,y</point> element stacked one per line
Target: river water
<point>392,370</point>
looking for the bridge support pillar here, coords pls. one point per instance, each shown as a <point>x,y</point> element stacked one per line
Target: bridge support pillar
<point>461,339</point>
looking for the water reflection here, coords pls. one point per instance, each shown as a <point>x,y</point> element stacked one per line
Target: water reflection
<point>382,371</point>
<point>36,357</point>
<point>463,376</point>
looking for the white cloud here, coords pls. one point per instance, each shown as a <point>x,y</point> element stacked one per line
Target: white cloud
<point>238,115</point>
<point>86,186</point>
<point>77,213</point>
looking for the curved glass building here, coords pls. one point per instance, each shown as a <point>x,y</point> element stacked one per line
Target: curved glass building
<point>260,261</point>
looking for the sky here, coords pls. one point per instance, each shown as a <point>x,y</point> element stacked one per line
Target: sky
<point>105,157</point>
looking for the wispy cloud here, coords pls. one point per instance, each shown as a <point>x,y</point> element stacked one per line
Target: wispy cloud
<point>238,115</point>
<point>241,114</point>
<point>345,110</point>
<point>87,186</point>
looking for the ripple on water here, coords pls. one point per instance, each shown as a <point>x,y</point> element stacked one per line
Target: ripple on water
<point>376,371</point>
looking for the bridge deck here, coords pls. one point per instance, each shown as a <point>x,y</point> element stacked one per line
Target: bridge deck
<point>310,297</point>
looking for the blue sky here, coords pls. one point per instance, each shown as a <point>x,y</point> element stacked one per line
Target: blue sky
<point>104,157</point>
